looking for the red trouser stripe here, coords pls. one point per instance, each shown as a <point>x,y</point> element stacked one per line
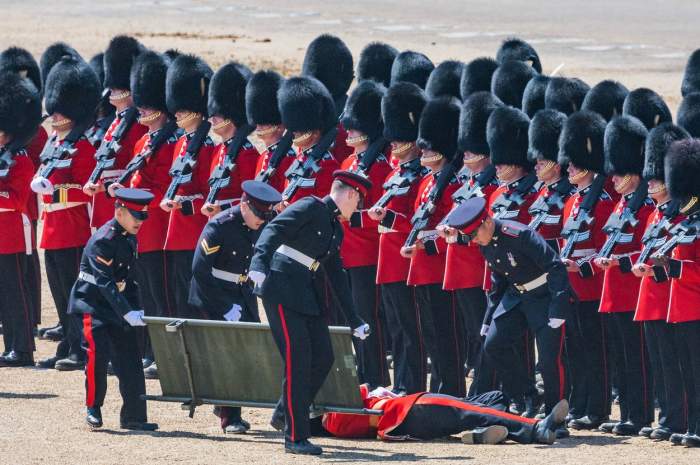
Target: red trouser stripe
<point>288,368</point>
<point>90,367</point>
<point>456,403</point>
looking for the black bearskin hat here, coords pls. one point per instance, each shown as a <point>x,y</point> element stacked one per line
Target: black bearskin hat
<point>402,106</point>
<point>72,89</point>
<point>118,59</point>
<point>438,126</point>
<point>476,76</point>
<point>444,80</point>
<point>543,135</point>
<point>506,133</point>
<point>518,50</point>
<point>412,67</point>
<point>306,105</point>
<point>147,81</point>
<point>656,146</point>
<point>187,85</point>
<point>53,55</point>
<point>533,96</point>
<point>20,107</point>
<point>565,94</point>
<point>691,76</point>
<point>97,63</point>
<point>682,168</point>
<point>581,141</point>
<point>375,62</point>
<point>363,110</point>
<point>509,82</point>
<point>20,61</point>
<point>688,116</point>
<point>624,146</point>
<point>227,93</point>
<point>473,117</point>
<point>329,60</point>
<point>261,103</point>
<point>606,98</point>
<point>647,106</point>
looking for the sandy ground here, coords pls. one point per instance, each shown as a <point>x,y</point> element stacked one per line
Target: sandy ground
<point>638,43</point>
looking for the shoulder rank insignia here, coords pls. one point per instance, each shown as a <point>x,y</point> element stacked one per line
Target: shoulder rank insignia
<point>104,261</point>
<point>512,229</point>
<point>209,250</point>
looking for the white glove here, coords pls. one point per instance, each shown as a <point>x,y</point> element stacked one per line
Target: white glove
<point>41,185</point>
<point>234,314</point>
<point>258,277</point>
<point>555,322</point>
<point>135,318</point>
<point>361,332</point>
<point>484,330</point>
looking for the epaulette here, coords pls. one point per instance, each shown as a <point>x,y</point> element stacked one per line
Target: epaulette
<point>223,216</point>
<point>512,228</point>
<point>110,233</point>
<point>208,142</point>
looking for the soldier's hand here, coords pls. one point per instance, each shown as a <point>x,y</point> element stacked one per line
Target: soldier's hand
<point>605,263</point>
<point>210,209</point>
<point>640,270</point>
<point>234,314</point>
<point>555,323</point>
<point>41,185</point>
<point>90,189</point>
<point>377,213</point>
<point>135,318</point>
<point>169,205</point>
<point>571,266</point>
<point>408,252</point>
<point>362,332</point>
<point>484,330</point>
<point>113,188</point>
<point>281,206</point>
<point>257,277</point>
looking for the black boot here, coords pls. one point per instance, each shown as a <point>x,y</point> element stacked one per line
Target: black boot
<point>237,427</point>
<point>627,429</point>
<point>494,434</point>
<point>94,417</point>
<point>53,334</point>
<point>17,359</point>
<point>71,363</point>
<point>587,422</point>
<point>48,363</point>
<point>138,426</point>
<point>532,405</point>
<point>302,447</point>
<point>546,430</point>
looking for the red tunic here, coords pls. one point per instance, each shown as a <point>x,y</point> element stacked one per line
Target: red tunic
<point>15,225</point>
<point>102,204</point>
<point>684,304</point>
<point>66,212</point>
<point>245,169</point>
<point>360,245</point>
<point>430,269</point>
<point>277,180</point>
<point>323,177</point>
<point>341,150</point>
<point>33,149</point>
<point>154,178</point>
<point>184,230</point>
<point>621,290</point>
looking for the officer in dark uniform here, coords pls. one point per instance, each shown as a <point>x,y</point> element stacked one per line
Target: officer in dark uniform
<point>220,286</point>
<point>104,300</point>
<point>306,235</point>
<point>529,289</point>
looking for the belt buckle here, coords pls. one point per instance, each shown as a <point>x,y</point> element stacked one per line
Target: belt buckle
<point>314,266</point>
<point>242,278</point>
<point>121,285</point>
<point>520,288</point>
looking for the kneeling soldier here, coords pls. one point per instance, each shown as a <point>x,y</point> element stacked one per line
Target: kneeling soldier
<point>105,299</point>
<point>220,286</point>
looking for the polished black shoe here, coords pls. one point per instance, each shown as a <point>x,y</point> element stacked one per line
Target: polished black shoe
<point>608,426</point>
<point>146,362</point>
<point>646,431</point>
<point>237,427</point>
<point>587,422</point>
<point>48,363</point>
<point>677,439</point>
<point>110,369</point>
<point>139,426</point>
<point>151,372</point>
<point>94,417</point>
<point>546,430</point>
<point>494,434</point>
<point>53,334</point>
<point>17,359</point>
<point>71,363</point>
<point>691,440</point>
<point>562,432</point>
<point>627,429</point>
<point>660,434</point>
<point>277,422</point>
<point>532,405</point>
<point>303,447</point>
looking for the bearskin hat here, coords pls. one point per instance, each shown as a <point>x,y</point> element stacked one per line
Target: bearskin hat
<point>682,166</point>
<point>402,106</point>
<point>20,61</point>
<point>533,96</point>
<point>506,134</point>
<point>473,116</point>
<point>691,75</point>
<point>227,93</point>
<point>170,54</point>
<point>329,60</point>
<point>509,82</point>
<point>647,106</point>
<point>444,80</point>
<point>98,66</point>
<point>20,107</point>
<point>306,105</point>
<point>543,135</point>
<point>187,85</point>
<point>689,114</point>
<point>656,146</point>
<point>476,76</point>
<point>72,89</point>
<point>606,98</point>
<point>438,126</point>
<point>261,104</point>
<point>623,144</point>
<point>412,67</point>
<point>147,81</point>
<point>363,110</point>
<point>375,62</point>
<point>565,94</point>
<point>118,59</point>
<point>53,55</point>
<point>515,49</point>
<point>581,141</point>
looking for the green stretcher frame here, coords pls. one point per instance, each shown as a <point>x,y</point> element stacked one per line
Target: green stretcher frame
<point>238,364</point>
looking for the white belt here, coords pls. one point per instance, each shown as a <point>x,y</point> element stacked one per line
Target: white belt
<point>185,198</point>
<point>235,201</point>
<point>534,284</point>
<point>87,277</point>
<point>430,234</point>
<point>54,207</point>
<point>583,252</point>
<point>298,257</point>
<point>228,276</point>
<point>112,174</point>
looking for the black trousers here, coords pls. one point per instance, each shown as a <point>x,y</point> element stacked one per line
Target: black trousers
<point>666,369</point>
<point>427,419</point>
<point>505,333</point>
<point>62,267</point>
<point>33,279</point>
<point>442,334</point>
<point>687,336</point>
<point>586,347</point>
<point>149,273</point>
<point>305,345</point>
<point>178,274</point>
<point>407,348</point>
<point>105,342</point>
<point>472,306</point>
<point>16,303</point>
<point>371,353</point>
<point>633,369</point>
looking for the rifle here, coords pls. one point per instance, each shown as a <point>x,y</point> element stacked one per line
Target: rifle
<point>466,192</point>
<point>399,184</point>
<point>572,227</point>
<point>59,156</point>
<point>617,222</point>
<point>152,147</point>
<point>221,176</point>
<point>280,151</point>
<point>106,154</point>
<point>541,208</point>
<point>507,202</point>
<point>374,151</point>
<point>183,168</point>
<point>656,234</point>
<point>421,217</point>
<point>684,232</point>
<point>299,172</point>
